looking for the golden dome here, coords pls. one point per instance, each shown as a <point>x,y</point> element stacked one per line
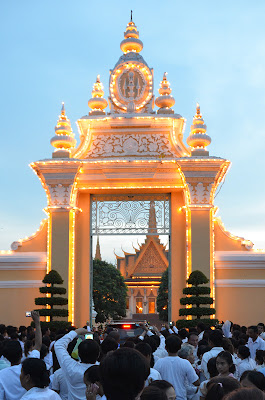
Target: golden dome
<point>165,101</point>
<point>198,139</point>
<point>64,139</point>
<point>97,103</point>
<point>131,41</point>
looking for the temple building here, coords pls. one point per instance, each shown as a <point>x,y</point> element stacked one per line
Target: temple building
<point>131,173</point>
<point>142,271</point>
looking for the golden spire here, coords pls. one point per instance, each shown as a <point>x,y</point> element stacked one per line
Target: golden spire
<point>152,218</point>
<point>198,138</point>
<point>131,41</point>
<point>98,254</point>
<point>165,101</point>
<point>97,103</point>
<point>64,139</point>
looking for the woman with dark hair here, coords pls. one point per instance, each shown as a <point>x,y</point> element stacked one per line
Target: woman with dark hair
<point>167,388</point>
<point>219,386</point>
<point>153,393</point>
<point>246,363</point>
<point>246,394</point>
<point>224,364</point>
<point>35,379</point>
<point>253,379</point>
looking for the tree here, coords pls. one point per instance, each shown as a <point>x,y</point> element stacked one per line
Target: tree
<point>197,295</point>
<point>109,291</point>
<point>162,297</point>
<point>52,279</point>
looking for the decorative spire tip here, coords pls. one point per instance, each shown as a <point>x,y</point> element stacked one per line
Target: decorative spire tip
<point>131,15</point>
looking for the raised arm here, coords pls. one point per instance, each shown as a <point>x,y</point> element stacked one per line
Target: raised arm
<point>65,360</point>
<point>38,336</point>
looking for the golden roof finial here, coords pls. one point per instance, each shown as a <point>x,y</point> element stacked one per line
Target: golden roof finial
<point>97,103</point>
<point>64,140</point>
<point>165,101</point>
<point>62,109</point>
<point>198,110</point>
<point>131,40</point>
<point>198,138</point>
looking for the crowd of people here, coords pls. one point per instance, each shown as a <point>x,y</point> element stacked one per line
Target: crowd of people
<point>200,363</point>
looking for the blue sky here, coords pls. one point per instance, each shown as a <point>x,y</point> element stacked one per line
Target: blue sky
<point>214,53</point>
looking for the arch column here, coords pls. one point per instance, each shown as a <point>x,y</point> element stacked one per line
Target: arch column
<point>60,189</point>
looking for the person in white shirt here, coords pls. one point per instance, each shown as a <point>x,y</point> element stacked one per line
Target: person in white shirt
<point>35,380</point>
<point>10,386</point>
<point>245,363</point>
<point>146,350</point>
<point>92,382</point>
<point>215,341</point>
<point>261,330</point>
<point>200,328</point>
<point>176,370</point>
<point>193,339</point>
<point>255,342</point>
<point>88,351</point>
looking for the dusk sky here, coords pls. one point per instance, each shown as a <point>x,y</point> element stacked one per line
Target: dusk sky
<point>214,53</point>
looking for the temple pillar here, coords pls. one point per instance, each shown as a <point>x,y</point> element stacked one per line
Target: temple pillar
<point>83,261</point>
<point>177,274</point>
<point>61,210</point>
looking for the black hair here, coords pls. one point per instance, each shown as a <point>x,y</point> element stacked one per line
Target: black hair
<point>216,337</point>
<point>27,346</point>
<point>123,374</point>
<point>254,328</point>
<point>202,349</point>
<point>88,351</point>
<point>245,394</point>
<point>183,333</point>
<point>2,329</point>
<point>43,351</point>
<point>161,384</point>
<point>92,374</point>
<point>255,377</point>
<point>228,345</point>
<point>153,393</point>
<point>228,358</point>
<point>12,351</point>
<point>260,354</point>
<point>193,333</point>
<point>152,342</point>
<point>261,324</point>
<point>219,386</point>
<point>129,343</point>
<point>46,340</point>
<point>211,367</point>
<point>38,372</point>
<point>173,344</point>
<point>108,344</point>
<point>144,348</point>
<point>201,326</point>
<point>243,351</point>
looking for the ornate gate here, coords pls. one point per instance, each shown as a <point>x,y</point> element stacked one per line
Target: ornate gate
<point>131,214</point>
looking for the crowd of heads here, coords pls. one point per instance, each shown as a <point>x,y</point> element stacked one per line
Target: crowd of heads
<point>121,370</point>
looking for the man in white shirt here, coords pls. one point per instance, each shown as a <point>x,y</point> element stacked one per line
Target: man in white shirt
<point>261,330</point>
<point>216,342</point>
<point>88,352</point>
<point>176,370</point>
<point>254,342</point>
<point>10,386</point>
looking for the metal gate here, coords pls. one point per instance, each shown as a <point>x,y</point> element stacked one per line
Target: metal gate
<point>131,214</point>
